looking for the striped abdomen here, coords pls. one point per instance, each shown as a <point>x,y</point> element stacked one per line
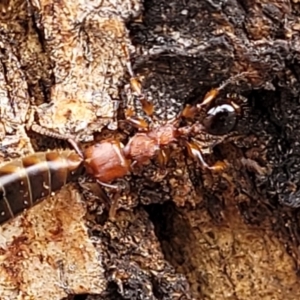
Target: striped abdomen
<point>25,181</point>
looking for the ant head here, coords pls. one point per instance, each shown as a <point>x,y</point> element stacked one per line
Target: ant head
<point>218,114</point>
<point>222,116</point>
<point>220,119</point>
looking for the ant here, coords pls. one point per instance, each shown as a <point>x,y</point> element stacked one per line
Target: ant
<point>110,160</point>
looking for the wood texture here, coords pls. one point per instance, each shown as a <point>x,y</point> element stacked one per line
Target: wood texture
<point>182,232</point>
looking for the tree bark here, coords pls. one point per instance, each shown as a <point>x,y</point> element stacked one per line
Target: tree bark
<point>192,233</point>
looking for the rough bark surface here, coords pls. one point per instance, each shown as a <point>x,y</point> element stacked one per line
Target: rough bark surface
<point>186,233</point>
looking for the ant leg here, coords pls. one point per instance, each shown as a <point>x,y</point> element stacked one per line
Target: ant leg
<point>111,186</point>
<point>195,152</point>
<point>114,202</point>
<point>136,87</point>
<point>138,123</point>
<point>213,93</point>
<point>190,110</point>
<point>163,157</point>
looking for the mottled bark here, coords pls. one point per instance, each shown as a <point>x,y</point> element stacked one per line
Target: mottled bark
<point>182,232</point>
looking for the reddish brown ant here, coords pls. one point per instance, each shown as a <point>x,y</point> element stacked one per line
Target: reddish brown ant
<point>110,159</point>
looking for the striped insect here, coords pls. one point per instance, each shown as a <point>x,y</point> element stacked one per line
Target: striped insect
<point>26,181</point>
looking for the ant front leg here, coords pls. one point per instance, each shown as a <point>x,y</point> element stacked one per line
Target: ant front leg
<point>190,110</point>
<point>136,88</point>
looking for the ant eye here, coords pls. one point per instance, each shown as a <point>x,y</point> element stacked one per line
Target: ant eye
<point>220,119</point>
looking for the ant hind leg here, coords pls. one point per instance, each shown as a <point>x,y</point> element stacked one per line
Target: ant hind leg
<point>195,152</point>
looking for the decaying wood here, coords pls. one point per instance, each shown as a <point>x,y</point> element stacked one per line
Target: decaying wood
<point>180,233</point>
